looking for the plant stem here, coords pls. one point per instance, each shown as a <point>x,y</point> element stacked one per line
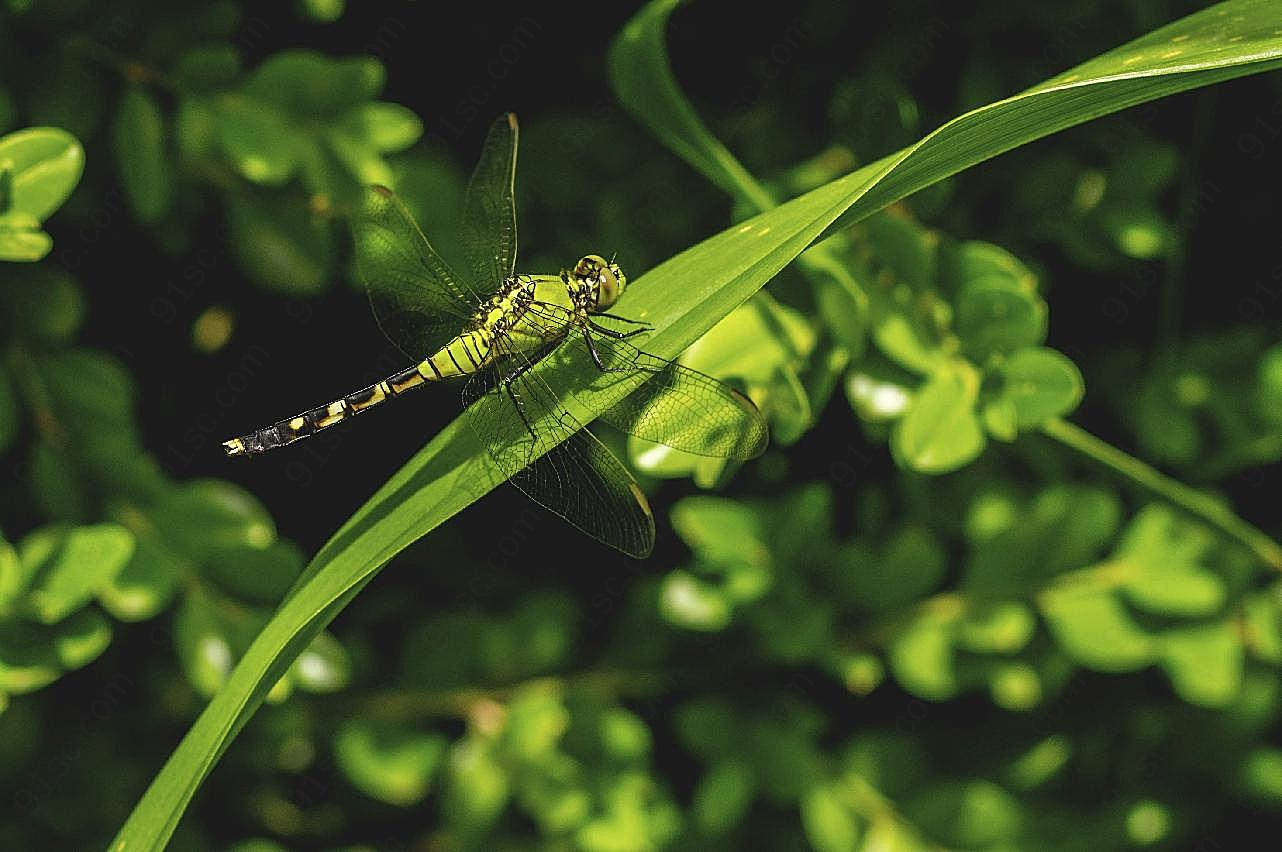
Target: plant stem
<point>1199,505</point>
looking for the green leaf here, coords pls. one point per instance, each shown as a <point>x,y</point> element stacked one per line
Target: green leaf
<point>361,159</point>
<point>21,238</point>
<point>723,796</point>
<point>81,638</point>
<point>146,585</point>
<point>307,84</point>
<point>323,667</point>
<point>684,297</point>
<point>202,517</point>
<point>1203,661</point>
<point>941,431</point>
<point>687,601</point>
<point>386,127</point>
<point>1065,528</point>
<point>828,823</point>
<point>1164,552</point>
<point>28,658</point>
<point>91,393</point>
<point>280,244</point>
<point>70,573</point>
<point>1268,388</point>
<point>196,130</point>
<point>205,647</point>
<point>258,574</point>
<point>45,165</point>
<point>14,576</point>
<point>721,531</point>
<point>998,308</point>
<point>966,814</point>
<point>142,154</point>
<point>1262,624</point>
<point>1014,686</point>
<point>260,143</point>
<point>476,790</point>
<point>1000,628</point>
<point>1095,630</point>
<point>323,11</point>
<point>212,66</point>
<point>909,566</point>
<point>43,304</point>
<point>921,658</point>
<point>1039,384</point>
<point>389,763</point>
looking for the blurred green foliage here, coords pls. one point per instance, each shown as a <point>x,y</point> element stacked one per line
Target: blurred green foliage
<point>863,653</point>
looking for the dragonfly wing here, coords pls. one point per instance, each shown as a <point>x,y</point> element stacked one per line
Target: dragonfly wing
<point>489,208</point>
<point>578,478</point>
<point>419,302</point>
<point>671,404</point>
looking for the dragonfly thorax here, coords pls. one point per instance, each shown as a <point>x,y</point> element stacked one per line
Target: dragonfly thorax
<point>596,283</point>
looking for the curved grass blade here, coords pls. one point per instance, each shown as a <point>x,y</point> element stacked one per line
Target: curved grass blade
<point>684,297</point>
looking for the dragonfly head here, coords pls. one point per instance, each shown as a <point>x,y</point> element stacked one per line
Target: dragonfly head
<point>602,279</point>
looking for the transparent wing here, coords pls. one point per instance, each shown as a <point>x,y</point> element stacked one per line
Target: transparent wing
<point>578,478</point>
<point>489,208</point>
<point>671,404</point>
<point>417,299</point>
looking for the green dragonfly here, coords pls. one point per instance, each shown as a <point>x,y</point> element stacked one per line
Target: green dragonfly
<point>493,326</point>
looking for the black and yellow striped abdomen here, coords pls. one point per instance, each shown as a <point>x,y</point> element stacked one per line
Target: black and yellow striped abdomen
<point>462,356</point>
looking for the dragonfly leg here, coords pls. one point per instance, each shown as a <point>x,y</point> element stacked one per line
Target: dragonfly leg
<point>507,382</point>
<point>596,356</point>
<point>617,335</point>
<point>600,364</point>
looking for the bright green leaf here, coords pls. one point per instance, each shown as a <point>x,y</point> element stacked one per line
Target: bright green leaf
<point>45,165</point>
<point>1094,629</point>
<point>1204,662</point>
<point>386,127</point>
<point>83,561</point>
<point>81,638</point>
<point>323,666</point>
<point>941,431</point>
<point>921,658</point>
<point>1001,628</point>
<point>389,763</point>
<point>689,602</point>
<point>1040,384</point>
<point>827,821</point>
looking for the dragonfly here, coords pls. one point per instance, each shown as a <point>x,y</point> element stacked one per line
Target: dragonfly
<point>490,328</point>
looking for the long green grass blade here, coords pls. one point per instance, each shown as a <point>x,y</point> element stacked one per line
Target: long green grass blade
<point>684,297</point>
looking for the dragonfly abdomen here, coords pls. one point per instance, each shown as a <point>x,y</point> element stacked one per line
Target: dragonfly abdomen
<point>461,356</point>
